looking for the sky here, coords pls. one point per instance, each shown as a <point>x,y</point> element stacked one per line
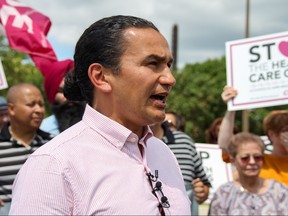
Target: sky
<point>203,25</point>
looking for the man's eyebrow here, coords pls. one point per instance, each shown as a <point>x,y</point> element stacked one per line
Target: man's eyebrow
<point>159,58</point>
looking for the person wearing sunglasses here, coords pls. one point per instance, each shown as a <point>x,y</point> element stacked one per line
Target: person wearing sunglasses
<point>275,125</point>
<point>249,194</point>
<point>175,121</point>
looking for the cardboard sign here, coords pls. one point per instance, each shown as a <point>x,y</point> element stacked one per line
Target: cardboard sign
<point>258,69</point>
<point>217,171</point>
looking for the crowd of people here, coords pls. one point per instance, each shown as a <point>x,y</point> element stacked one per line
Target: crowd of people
<point>110,146</point>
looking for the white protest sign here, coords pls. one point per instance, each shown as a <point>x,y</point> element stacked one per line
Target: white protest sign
<point>3,81</point>
<point>258,69</point>
<point>216,169</point>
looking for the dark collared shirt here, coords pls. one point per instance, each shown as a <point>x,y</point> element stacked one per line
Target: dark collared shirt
<point>12,157</point>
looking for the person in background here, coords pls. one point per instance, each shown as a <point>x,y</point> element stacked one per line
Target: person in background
<point>212,132</point>
<point>175,121</point>
<point>65,113</point>
<point>4,116</point>
<point>275,127</point>
<point>249,194</point>
<point>20,137</point>
<point>109,163</point>
<point>183,147</point>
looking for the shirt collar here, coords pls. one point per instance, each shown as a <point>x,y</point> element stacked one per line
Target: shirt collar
<point>40,138</point>
<point>111,130</point>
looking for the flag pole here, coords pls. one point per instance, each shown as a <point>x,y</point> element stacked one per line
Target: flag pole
<point>245,113</point>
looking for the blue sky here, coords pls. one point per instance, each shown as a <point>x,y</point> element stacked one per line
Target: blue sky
<point>204,26</point>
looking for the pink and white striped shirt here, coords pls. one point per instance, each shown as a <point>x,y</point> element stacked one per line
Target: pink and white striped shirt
<point>95,168</point>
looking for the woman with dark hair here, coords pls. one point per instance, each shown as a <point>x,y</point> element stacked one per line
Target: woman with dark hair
<point>211,133</point>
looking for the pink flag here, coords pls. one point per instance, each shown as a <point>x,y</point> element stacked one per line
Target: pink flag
<point>26,29</point>
<point>54,72</point>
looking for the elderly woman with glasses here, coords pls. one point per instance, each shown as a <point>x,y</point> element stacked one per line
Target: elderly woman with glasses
<point>249,194</point>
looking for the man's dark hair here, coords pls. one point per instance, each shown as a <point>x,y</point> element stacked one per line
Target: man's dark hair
<point>102,43</point>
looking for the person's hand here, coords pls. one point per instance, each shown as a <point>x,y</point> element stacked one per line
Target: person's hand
<point>201,191</point>
<point>1,203</point>
<point>228,93</point>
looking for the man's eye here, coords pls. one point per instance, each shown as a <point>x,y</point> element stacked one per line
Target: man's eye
<point>153,63</point>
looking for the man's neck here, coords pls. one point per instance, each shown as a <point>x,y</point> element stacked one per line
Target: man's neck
<point>157,130</point>
<point>23,137</point>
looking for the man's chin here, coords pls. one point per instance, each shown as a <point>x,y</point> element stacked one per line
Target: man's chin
<point>35,126</point>
<point>157,117</point>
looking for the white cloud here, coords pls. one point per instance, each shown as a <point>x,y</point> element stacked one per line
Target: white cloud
<point>204,26</point>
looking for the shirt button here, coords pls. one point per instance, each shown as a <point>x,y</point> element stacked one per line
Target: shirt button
<point>133,139</point>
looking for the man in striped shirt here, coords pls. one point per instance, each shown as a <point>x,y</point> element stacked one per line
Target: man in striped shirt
<point>20,137</point>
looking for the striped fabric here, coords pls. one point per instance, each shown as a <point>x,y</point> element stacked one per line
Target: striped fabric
<point>268,144</point>
<point>12,157</point>
<point>189,161</point>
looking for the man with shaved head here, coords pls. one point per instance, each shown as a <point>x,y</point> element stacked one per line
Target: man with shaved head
<point>21,136</point>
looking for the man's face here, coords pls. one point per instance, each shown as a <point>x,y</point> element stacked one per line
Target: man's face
<point>145,80</point>
<point>28,110</point>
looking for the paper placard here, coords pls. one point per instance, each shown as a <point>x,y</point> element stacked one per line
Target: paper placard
<point>258,69</point>
<point>3,81</point>
<point>216,169</point>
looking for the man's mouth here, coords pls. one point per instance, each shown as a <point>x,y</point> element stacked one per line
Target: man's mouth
<point>160,97</point>
<point>159,100</point>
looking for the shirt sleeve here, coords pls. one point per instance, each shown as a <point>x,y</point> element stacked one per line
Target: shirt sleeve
<point>40,188</point>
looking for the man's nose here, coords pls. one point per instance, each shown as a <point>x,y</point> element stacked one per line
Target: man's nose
<point>167,78</point>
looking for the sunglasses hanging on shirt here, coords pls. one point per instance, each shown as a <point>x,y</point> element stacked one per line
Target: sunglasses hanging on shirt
<point>158,188</point>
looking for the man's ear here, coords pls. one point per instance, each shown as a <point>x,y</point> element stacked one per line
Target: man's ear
<point>98,76</point>
<point>10,108</point>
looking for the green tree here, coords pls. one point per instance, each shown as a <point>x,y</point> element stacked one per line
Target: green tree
<point>197,97</point>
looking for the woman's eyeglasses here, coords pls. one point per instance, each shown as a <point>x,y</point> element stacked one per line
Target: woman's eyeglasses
<point>256,158</point>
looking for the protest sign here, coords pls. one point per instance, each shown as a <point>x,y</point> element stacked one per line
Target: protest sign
<point>217,171</point>
<point>258,69</point>
<point>3,81</point>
